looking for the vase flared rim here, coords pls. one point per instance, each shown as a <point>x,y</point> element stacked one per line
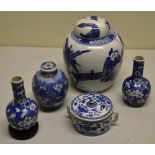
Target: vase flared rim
<point>17,79</point>
<point>139,58</point>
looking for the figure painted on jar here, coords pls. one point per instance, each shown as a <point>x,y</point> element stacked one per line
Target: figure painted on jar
<point>111,61</point>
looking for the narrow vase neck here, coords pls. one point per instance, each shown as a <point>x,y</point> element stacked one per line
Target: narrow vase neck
<point>18,89</point>
<point>138,66</point>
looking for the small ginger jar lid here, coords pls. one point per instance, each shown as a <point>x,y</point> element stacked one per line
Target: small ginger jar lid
<point>92,28</point>
<point>48,67</point>
<point>91,107</point>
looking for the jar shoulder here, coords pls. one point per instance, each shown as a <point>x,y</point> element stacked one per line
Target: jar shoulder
<point>111,39</point>
<point>22,110</point>
<point>60,77</point>
<point>138,82</point>
<point>25,104</point>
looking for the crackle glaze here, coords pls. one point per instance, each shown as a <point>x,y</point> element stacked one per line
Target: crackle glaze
<point>93,54</point>
<point>92,114</point>
<point>50,86</point>
<point>21,112</point>
<point>136,88</point>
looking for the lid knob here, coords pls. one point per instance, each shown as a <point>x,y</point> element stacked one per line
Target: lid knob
<point>91,103</point>
<point>92,28</point>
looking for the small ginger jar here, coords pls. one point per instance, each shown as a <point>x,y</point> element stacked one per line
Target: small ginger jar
<point>92,114</point>
<point>21,112</point>
<point>93,54</point>
<point>136,88</point>
<point>50,86</point>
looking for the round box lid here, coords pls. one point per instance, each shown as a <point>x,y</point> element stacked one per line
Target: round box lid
<point>91,107</point>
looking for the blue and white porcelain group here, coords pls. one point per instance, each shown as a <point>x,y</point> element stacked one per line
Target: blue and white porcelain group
<point>93,55</point>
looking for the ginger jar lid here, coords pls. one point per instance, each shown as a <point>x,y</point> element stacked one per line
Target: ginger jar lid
<point>92,28</point>
<point>91,107</point>
<point>48,67</point>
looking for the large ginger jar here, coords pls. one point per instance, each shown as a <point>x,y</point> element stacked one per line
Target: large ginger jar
<point>93,54</point>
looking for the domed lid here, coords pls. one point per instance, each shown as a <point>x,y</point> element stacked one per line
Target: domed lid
<point>48,67</point>
<point>91,107</point>
<point>92,28</point>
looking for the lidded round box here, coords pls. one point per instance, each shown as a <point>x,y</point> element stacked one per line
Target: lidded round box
<point>92,114</point>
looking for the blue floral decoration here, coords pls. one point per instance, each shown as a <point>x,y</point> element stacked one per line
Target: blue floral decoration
<point>50,91</point>
<point>136,90</point>
<point>91,114</point>
<point>92,106</point>
<point>22,116</point>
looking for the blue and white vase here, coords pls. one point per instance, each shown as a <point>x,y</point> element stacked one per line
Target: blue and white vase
<point>93,54</point>
<point>50,86</point>
<point>21,112</point>
<point>136,88</point>
<point>92,114</point>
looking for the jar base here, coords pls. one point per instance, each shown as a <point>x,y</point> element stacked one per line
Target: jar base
<point>23,135</point>
<point>92,90</point>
